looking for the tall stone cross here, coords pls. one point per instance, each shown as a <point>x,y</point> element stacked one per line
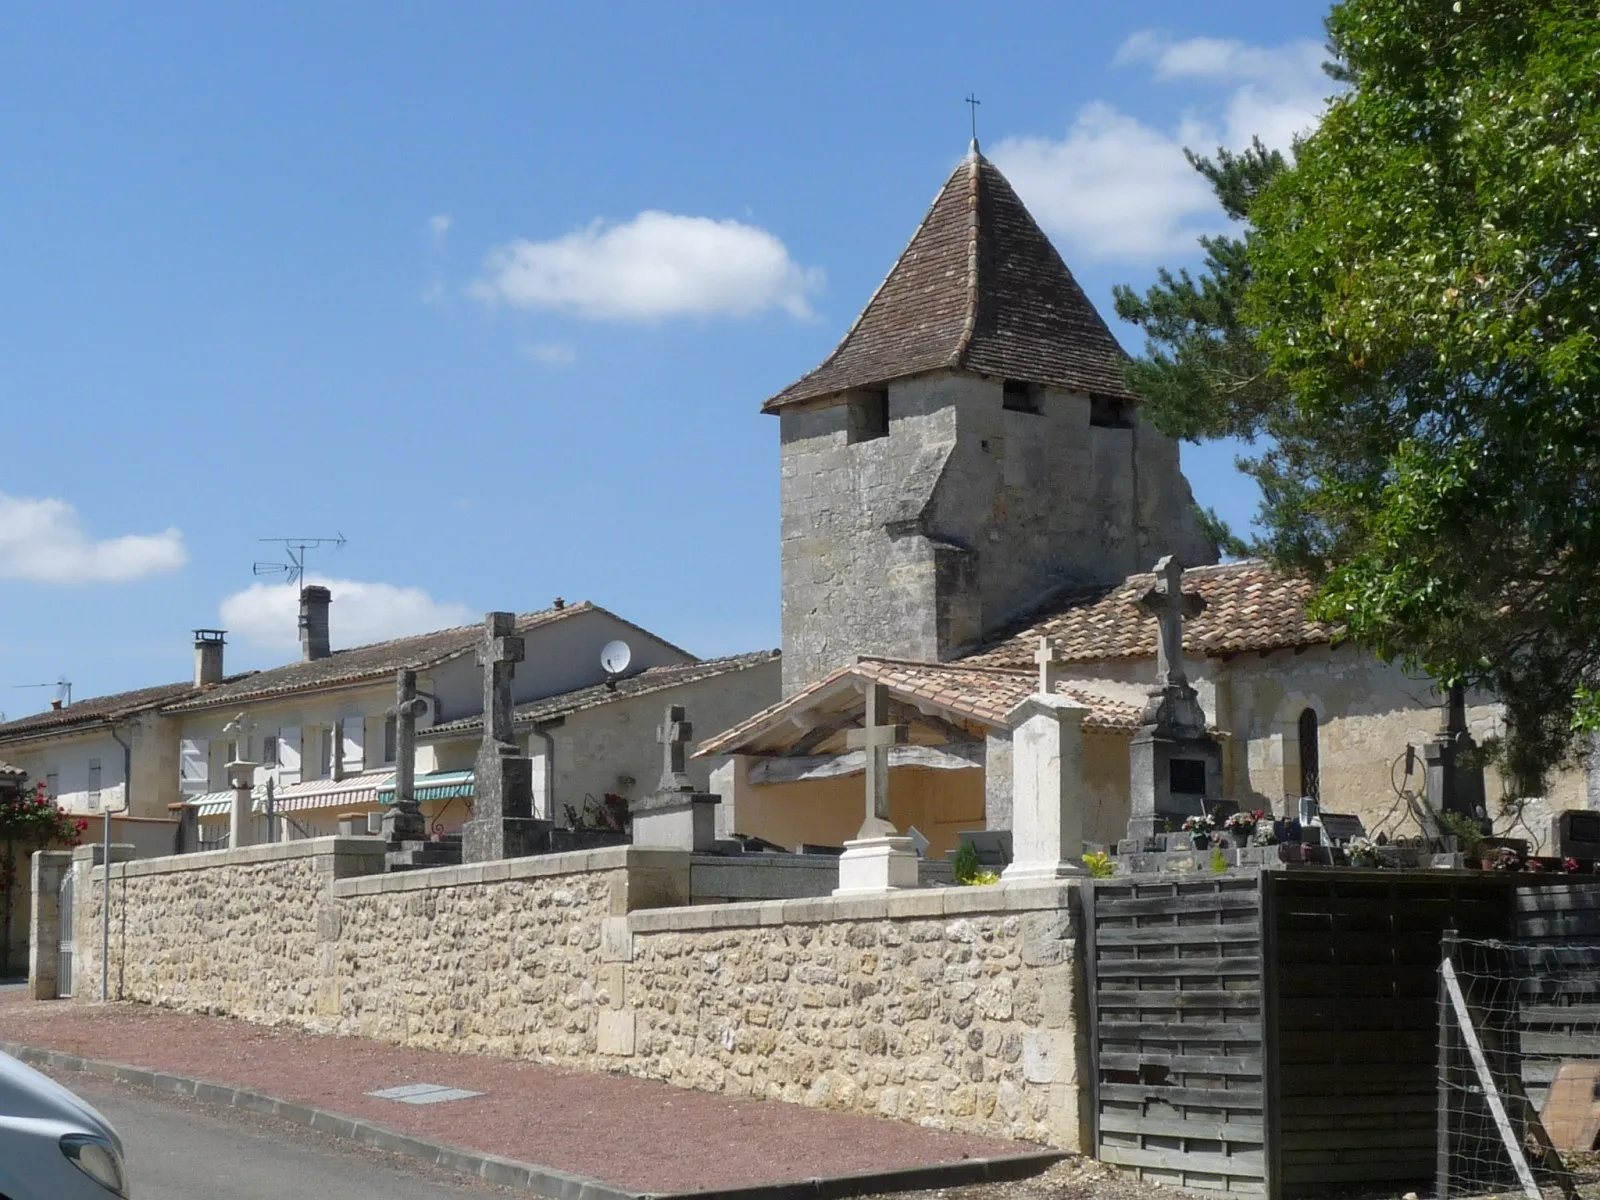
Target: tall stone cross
<point>876,738</point>
<point>674,737</point>
<point>1170,605</point>
<point>1049,658</point>
<point>407,822</point>
<point>239,730</point>
<point>501,651</point>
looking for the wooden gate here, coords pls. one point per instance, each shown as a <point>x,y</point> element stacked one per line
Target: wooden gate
<point>1176,1016</point>
<point>65,948</point>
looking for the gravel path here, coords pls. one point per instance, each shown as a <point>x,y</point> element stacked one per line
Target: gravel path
<point>633,1133</point>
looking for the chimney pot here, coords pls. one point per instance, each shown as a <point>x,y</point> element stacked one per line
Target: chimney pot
<point>314,601</point>
<point>560,603</point>
<point>55,705</point>
<point>208,645</point>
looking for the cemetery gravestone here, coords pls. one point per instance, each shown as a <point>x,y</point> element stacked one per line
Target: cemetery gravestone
<point>502,824</point>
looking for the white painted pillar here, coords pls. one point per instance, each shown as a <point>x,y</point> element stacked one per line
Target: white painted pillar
<point>731,781</point>
<point>241,820</point>
<point>1048,788</point>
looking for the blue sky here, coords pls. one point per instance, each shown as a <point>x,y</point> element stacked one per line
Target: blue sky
<point>496,291</point>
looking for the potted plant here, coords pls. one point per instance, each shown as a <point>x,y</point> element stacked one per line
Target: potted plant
<point>1363,853</point>
<point>1200,827</point>
<point>1242,825</point>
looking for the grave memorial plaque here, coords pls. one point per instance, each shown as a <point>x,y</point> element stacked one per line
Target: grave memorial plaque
<point>1187,775</point>
<point>1339,828</point>
<point>1576,834</point>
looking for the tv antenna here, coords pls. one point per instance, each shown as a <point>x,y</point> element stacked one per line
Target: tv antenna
<point>294,549</point>
<point>63,687</point>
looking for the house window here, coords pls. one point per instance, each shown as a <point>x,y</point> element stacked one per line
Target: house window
<point>869,415</point>
<point>1310,766</point>
<point>389,738</point>
<point>269,750</point>
<point>94,783</point>
<point>1019,397</point>
<point>1107,413</point>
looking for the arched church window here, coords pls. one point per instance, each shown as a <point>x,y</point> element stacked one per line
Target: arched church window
<point>1310,766</point>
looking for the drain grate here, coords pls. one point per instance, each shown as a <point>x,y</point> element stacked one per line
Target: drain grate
<point>423,1093</point>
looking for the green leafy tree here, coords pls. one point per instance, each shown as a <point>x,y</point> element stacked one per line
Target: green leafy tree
<point>1409,318</point>
<point>29,820</point>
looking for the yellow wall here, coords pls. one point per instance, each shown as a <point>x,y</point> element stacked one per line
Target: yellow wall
<point>828,812</point>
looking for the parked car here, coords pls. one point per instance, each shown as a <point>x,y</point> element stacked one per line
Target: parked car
<point>53,1146</point>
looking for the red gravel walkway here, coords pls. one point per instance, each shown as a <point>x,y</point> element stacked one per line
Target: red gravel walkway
<point>631,1133</point>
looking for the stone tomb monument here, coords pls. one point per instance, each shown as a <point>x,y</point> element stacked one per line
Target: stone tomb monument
<point>878,859</point>
<point>675,815</point>
<point>1176,765</point>
<point>1046,778</point>
<point>1455,781</point>
<point>502,824</point>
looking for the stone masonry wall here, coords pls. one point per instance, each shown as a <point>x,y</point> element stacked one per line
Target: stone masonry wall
<point>956,1007</point>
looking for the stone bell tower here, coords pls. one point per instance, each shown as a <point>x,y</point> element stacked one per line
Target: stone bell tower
<point>969,450</point>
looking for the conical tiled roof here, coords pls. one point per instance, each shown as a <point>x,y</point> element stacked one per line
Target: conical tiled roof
<point>980,287</point>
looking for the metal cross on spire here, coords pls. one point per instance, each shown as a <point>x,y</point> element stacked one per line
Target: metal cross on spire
<point>972,102</point>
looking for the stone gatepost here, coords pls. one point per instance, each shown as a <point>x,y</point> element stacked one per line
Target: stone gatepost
<point>1047,788</point>
<point>50,868</point>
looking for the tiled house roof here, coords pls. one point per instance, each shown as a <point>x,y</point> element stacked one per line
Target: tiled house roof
<point>983,695</point>
<point>656,679</point>
<point>95,710</point>
<point>361,663</point>
<point>1249,606</point>
<point>980,287</point>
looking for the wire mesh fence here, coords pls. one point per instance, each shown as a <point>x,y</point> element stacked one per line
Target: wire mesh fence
<point>1519,1069</point>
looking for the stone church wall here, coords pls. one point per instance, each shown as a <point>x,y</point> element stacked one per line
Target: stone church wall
<point>957,1007</point>
<point>963,517</point>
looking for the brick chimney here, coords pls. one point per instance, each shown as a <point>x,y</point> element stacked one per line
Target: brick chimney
<point>208,645</point>
<point>314,601</point>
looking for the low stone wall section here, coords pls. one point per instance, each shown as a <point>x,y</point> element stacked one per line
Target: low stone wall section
<point>954,1007</point>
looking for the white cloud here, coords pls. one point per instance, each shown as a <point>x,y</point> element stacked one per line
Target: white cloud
<point>552,354</point>
<point>1119,188</point>
<point>43,541</point>
<point>656,265</point>
<point>440,224</point>
<point>267,615</point>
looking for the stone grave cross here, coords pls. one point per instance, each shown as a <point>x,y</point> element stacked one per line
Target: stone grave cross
<point>1050,659</point>
<point>403,821</point>
<point>876,738</point>
<point>1170,605</point>
<point>674,737</point>
<point>501,651</point>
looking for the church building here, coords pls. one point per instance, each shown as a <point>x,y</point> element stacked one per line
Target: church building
<point>967,474</point>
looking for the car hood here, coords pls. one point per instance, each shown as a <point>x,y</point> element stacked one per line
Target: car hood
<point>24,1092</point>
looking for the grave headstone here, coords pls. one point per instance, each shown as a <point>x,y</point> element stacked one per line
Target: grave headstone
<point>404,821</point>
<point>1175,764</point>
<point>675,815</point>
<point>877,859</point>
<point>1340,828</point>
<point>1047,779</point>
<point>502,824</point>
<point>1575,834</point>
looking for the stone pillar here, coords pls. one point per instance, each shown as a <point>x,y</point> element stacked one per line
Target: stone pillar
<point>50,867</point>
<point>403,821</point>
<point>1047,788</point>
<point>502,824</point>
<point>241,818</point>
<point>731,781</point>
<point>1454,785</point>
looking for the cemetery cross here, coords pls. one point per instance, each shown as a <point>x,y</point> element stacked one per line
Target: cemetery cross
<point>876,738</point>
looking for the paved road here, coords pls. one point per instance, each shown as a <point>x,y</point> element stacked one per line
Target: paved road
<point>182,1150</point>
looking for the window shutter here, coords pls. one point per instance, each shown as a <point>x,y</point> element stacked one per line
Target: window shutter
<point>194,766</point>
<point>289,754</point>
<point>355,736</point>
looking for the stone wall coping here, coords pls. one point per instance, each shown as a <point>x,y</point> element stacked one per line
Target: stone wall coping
<point>345,847</point>
<point>538,866</point>
<point>765,862</point>
<point>910,903</point>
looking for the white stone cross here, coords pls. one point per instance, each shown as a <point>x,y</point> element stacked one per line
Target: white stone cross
<point>239,730</point>
<point>674,736</point>
<point>876,738</point>
<point>499,654</point>
<point>1049,658</point>
<point>1170,605</point>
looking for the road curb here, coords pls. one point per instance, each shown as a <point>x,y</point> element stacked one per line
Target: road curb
<point>544,1181</point>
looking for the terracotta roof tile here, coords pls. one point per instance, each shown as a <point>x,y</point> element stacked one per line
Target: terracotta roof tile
<point>374,661</point>
<point>655,679</point>
<point>95,710</point>
<point>1249,606</point>
<point>982,694</point>
<point>980,287</point>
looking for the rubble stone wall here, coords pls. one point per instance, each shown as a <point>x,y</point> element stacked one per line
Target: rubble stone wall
<point>955,1007</point>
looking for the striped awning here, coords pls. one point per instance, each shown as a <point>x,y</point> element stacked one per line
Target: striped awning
<point>332,793</point>
<point>220,804</point>
<point>440,785</point>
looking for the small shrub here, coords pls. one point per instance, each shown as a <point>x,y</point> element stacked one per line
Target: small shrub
<point>1099,864</point>
<point>965,865</point>
<point>1219,862</point>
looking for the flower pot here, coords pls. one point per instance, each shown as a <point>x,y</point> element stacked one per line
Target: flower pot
<point>1200,841</point>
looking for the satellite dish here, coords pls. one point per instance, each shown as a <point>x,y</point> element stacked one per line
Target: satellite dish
<point>615,657</point>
